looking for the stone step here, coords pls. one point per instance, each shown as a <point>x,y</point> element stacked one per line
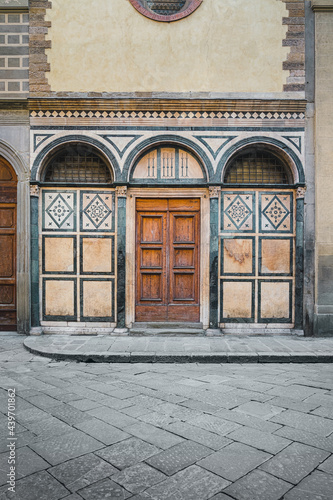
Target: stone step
<point>166,331</point>
<point>261,331</point>
<point>164,325</point>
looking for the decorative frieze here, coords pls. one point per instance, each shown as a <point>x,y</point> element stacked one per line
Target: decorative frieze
<point>182,115</point>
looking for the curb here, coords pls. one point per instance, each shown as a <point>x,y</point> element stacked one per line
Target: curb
<point>153,357</point>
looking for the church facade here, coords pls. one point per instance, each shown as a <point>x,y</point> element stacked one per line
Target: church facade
<point>166,163</point>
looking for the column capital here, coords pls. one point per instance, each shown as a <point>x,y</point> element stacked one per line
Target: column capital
<point>121,191</point>
<point>300,193</point>
<point>34,190</point>
<point>214,191</point>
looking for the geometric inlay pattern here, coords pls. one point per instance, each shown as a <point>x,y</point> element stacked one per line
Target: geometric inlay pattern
<point>59,211</point>
<point>276,212</point>
<point>97,212</point>
<point>238,212</point>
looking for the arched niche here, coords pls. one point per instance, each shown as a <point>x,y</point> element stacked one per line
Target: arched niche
<point>76,163</point>
<point>276,147</point>
<point>166,164</point>
<point>258,164</point>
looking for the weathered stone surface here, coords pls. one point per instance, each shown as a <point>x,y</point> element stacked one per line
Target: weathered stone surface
<point>106,490</point>
<point>258,485</point>
<point>178,457</point>
<point>201,436</point>
<point>260,410</point>
<point>127,453</point>
<point>82,471</point>
<point>61,448</point>
<point>102,431</point>
<point>151,434</point>
<point>327,466</point>
<point>295,462</point>
<point>309,438</point>
<point>261,440</point>
<point>190,484</point>
<point>112,417</point>
<point>214,424</point>
<point>138,477</point>
<point>298,420</point>
<point>39,486</point>
<point>234,461</point>
<point>316,486</point>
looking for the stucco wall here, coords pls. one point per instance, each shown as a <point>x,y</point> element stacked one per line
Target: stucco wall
<point>224,46</point>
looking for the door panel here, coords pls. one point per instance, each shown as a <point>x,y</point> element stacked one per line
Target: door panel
<point>7,262</point>
<point>167,273</point>
<point>8,189</point>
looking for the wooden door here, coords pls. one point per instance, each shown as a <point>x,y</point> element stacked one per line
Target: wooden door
<point>167,260</point>
<point>8,189</point>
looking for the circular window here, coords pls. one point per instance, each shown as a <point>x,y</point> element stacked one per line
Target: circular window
<point>166,10</point>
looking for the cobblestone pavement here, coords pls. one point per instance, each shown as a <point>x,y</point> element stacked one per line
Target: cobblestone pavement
<point>165,431</point>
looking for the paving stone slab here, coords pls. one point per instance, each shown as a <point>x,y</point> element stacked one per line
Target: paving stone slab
<point>138,478</point>
<point>323,412</point>
<point>127,453</point>
<point>317,486</point>
<point>61,448</point>
<point>82,471</point>
<point>104,490</point>
<point>294,462</point>
<point>214,424</point>
<point>43,401</point>
<point>201,436</point>
<point>327,466</point>
<point>259,410</point>
<point>156,418</point>
<point>259,486</point>
<point>234,461</point>
<point>221,496</point>
<point>178,457</point>
<point>153,435</point>
<point>84,404</point>
<point>48,427</point>
<point>248,420</point>
<point>293,404</point>
<point>112,417</point>
<point>309,438</point>
<point>102,431</point>
<point>299,392</point>
<point>306,422</point>
<point>261,440</point>
<point>68,414</point>
<point>39,486</point>
<point>192,483</point>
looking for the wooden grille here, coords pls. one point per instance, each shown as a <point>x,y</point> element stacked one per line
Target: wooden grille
<point>255,166</point>
<point>77,164</point>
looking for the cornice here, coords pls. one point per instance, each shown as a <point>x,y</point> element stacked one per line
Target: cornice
<point>322,5</point>
<point>165,105</point>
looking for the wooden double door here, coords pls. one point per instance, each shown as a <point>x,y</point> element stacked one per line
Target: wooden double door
<point>8,198</point>
<point>167,260</point>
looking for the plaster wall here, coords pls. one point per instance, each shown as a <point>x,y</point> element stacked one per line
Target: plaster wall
<point>224,46</point>
<point>324,177</point>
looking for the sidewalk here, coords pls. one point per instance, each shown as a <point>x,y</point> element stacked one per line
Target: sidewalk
<point>182,349</point>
